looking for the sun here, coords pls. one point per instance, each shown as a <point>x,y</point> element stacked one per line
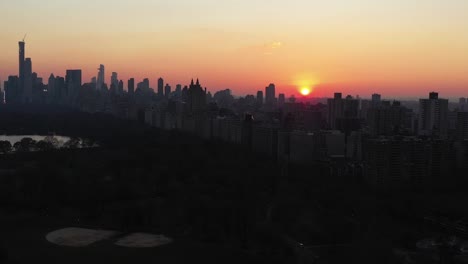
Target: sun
<point>305,91</point>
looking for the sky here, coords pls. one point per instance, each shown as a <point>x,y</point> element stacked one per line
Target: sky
<point>399,48</point>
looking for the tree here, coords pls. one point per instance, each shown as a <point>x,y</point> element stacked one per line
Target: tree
<point>73,143</point>
<point>44,145</point>
<point>53,141</point>
<point>25,145</point>
<point>5,147</point>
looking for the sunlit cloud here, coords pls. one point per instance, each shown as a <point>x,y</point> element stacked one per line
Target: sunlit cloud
<point>268,48</point>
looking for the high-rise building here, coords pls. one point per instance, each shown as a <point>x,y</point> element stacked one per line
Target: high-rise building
<point>259,98</point>
<point>196,97</point>
<point>100,78</point>
<point>433,116</point>
<point>146,83</point>
<point>120,87</point>
<point>73,85</point>
<point>160,87</point>
<point>2,96</point>
<point>462,126</point>
<point>178,90</point>
<point>131,86</point>
<point>281,100</point>
<point>376,99</point>
<point>51,91</point>
<point>389,120</point>
<point>335,110</point>
<point>12,91</point>
<point>115,80</point>
<point>270,95</point>
<point>167,91</point>
<point>462,105</point>
<point>27,81</point>
<point>22,54</point>
<point>60,89</point>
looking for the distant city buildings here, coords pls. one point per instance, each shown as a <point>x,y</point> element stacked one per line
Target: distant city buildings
<point>433,116</point>
<point>392,145</point>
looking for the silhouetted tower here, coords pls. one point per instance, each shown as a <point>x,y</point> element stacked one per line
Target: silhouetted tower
<point>196,97</point>
<point>376,99</point>
<point>121,87</point>
<point>22,53</point>
<point>51,92</point>
<point>146,83</point>
<point>27,81</point>
<point>100,78</point>
<point>270,95</point>
<point>73,84</point>
<point>167,91</point>
<point>178,90</point>
<point>115,79</point>
<point>131,86</point>
<point>335,110</point>
<point>259,98</point>
<point>160,87</point>
<point>281,100</point>
<point>433,116</point>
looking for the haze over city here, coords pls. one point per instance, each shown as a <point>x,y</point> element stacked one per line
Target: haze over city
<point>397,48</point>
<point>234,131</point>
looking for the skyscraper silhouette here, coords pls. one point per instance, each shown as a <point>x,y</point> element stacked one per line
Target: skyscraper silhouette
<point>73,85</point>
<point>100,78</point>
<point>120,87</point>
<point>167,91</point>
<point>115,79</point>
<point>196,97</point>
<point>433,116</point>
<point>160,87</point>
<point>22,53</point>
<point>27,81</point>
<point>335,110</point>
<point>259,98</point>
<point>270,95</point>
<point>131,86</point>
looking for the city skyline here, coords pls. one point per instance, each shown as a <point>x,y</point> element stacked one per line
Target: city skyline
<point>398,49</point>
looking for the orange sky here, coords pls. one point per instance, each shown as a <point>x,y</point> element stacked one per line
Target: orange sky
<point>399,49</point>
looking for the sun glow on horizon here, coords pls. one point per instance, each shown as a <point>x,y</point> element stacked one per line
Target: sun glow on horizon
<point>305,82</point>
<point>305,91</point>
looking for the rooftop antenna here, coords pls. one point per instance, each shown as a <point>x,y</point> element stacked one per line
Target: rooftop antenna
<point>25,35</point>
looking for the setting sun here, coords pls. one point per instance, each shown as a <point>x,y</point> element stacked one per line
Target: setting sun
<point>305,91</point>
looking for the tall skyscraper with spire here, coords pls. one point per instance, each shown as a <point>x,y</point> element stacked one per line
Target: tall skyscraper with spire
<point>22,53</point>
<point>25,74</point>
